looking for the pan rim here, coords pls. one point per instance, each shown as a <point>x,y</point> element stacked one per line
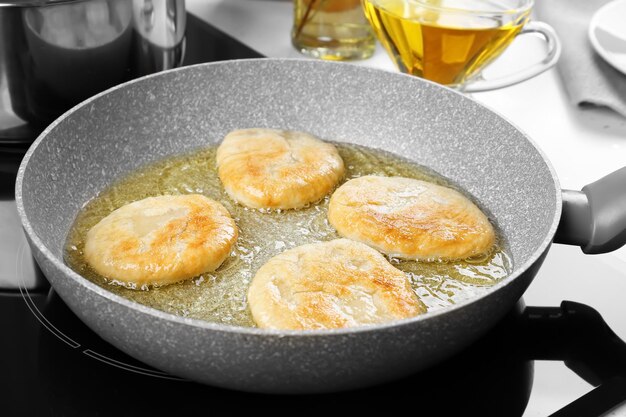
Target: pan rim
<point>279,333</point>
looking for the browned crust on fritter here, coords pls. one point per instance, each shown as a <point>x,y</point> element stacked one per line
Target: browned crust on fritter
<point>161,240</point>
<point>276,169</point>
<point>330,285</point>
<point>410,219</point>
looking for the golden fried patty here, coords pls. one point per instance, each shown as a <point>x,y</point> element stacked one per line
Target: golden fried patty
<point>277,169</point>
<point>161,240</point>
<point>410,219</point>
<point>328,285</point>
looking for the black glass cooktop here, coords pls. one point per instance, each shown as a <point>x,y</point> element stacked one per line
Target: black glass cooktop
<point>53,365</point>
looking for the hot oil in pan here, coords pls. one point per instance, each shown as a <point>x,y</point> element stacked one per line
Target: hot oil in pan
<point>221,296</point>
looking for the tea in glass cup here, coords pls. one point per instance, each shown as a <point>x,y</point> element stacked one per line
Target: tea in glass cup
<point>332,30</point>
<point>451,41</point>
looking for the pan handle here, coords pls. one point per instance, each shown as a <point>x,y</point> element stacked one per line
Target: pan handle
<point>595,218</point>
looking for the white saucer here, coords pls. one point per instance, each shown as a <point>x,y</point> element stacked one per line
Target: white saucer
<point>607,33</point>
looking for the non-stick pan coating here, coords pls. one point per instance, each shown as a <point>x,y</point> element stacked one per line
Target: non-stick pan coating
<point>181,110</point>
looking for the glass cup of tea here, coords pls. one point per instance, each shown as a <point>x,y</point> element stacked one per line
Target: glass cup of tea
<point>451,41</point>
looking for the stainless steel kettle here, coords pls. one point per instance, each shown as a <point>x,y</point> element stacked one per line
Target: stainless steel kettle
<point>56,53</point>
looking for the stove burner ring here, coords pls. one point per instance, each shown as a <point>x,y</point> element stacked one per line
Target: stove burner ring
<point>22,256</point>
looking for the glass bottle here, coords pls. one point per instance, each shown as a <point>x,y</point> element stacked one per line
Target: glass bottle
<point>332,29</point>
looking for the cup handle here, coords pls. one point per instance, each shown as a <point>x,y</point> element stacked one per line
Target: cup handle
<point>552,56</point>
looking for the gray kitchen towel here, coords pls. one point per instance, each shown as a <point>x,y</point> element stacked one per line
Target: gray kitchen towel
<point>588,79</point>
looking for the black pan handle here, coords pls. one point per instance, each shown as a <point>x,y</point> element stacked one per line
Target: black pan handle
<point>595,218</point>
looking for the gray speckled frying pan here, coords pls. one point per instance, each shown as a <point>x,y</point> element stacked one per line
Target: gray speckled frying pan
<point>117,131</point>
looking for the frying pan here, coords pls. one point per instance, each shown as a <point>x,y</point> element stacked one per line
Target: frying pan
<point>181,110</point>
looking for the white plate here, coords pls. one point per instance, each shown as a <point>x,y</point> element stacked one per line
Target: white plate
<point>607,33</point>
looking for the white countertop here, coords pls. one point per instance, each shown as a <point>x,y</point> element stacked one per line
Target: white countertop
<point>582,144</point>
